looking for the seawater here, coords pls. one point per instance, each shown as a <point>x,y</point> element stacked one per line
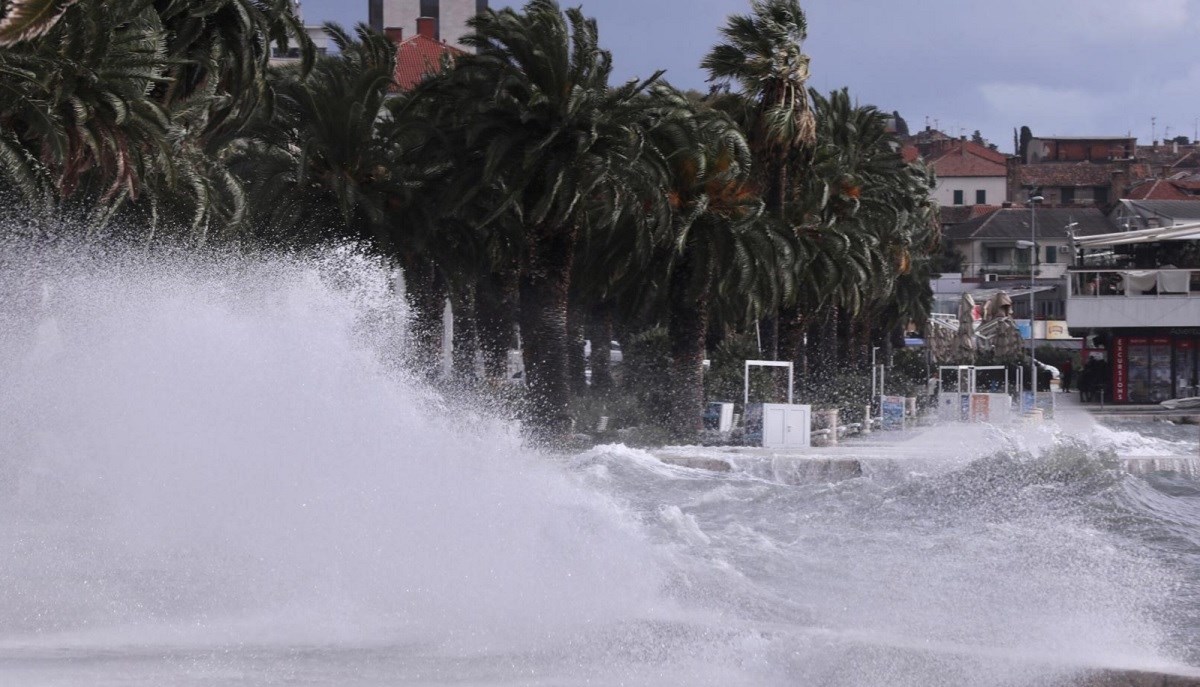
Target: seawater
<point>216,470</point>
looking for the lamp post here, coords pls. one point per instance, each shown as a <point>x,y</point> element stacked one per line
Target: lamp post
<point>1033,201</point>
<point>874,372</point>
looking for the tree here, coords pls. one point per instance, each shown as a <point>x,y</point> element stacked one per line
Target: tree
<point>762,52</point>
<point>716,242</point>
<point>534,106</point>
<point>1023,143</point>
<point>319,167</point>
<point>92,125</point>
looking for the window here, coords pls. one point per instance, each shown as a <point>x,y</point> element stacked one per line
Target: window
<point>991,255</point>
<point>1100,194</point>
<point>1051,253</point>
<point>958,197</point>
<point>981,197</point>
<point>1068,195</point>
<point>430,8</point>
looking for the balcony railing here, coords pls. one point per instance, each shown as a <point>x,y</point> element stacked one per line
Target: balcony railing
<point>1130,298</point>
<point>1131,283</point>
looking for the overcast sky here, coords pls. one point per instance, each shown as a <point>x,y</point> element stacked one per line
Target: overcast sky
<point>1064,67</point>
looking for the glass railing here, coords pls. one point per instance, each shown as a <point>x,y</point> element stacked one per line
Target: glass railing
<point>1134,283</point>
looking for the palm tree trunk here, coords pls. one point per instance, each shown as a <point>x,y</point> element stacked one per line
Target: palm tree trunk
<point>793,326</point>
<point>495,312</point>
<point>576,361</point>
<point>426,293</point>
<point>544,288</point>
<point>466,335</point>
<point>600,332</point>
<point>687,329</point>
<point>826,348</point>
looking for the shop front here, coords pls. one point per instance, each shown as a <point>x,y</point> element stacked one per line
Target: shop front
<point>1155,368</point>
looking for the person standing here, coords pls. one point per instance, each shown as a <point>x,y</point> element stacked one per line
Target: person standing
<point>1067,373</point>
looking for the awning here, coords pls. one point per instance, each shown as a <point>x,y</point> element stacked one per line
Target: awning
<point>1183,232</point>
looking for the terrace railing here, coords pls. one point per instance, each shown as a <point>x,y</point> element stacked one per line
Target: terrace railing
<point>1134,283</point>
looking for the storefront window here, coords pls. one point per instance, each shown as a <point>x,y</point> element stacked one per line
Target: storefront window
<point>1186,368</point>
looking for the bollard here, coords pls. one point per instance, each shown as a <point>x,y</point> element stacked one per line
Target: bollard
<point>866,423</point>
<point>828,420</point>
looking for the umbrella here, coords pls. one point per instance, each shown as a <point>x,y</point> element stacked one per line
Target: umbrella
<point>964,342</point>
<point>1000,306</point>
<point>1006,340</point>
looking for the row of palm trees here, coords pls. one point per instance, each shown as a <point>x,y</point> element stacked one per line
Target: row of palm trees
<point>542,200</point>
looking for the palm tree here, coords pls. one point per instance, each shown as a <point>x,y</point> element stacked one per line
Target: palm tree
<point>24,20</point>
<point>713,238</point>
<point>92,124</point>
<point>319,168</point>
<point>762,52</point>
<point>864,219</point>
<point>556,142</point>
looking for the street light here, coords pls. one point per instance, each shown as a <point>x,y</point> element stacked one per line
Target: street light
<point>1033,201</point>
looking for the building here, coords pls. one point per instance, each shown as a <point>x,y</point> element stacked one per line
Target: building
<point>321,40</point>
<point>1159,189</point>
<point>399,18</point>
<point>967,173</point>
<point>1134,294</point>
<point>420,55</point>
<point>989,242</point>
<point>322,43</point>
<point>1134,214</point>
<point>1075,171</point>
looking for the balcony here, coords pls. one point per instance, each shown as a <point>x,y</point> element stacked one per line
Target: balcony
<point>1105,299</point>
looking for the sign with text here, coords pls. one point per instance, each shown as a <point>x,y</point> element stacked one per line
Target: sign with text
<point>980,408</point>
<point>1056,330</point>
<point>1120,369</point>
<point>892,411</point>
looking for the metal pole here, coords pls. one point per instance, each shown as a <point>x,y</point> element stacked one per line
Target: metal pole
<point>1032,302</point>
<point>882,377</point>
<point>874,371</point>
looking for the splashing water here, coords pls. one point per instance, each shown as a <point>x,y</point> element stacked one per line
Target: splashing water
<point>212,472</point>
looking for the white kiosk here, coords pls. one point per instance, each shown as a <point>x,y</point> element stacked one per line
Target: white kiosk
<point>967,393</point>
<point>777,425</point>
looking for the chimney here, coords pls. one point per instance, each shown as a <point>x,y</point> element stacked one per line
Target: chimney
<point>394,34</point>
<point>427,27</point>
<point>1120,183</point>
<point>1013,177</point>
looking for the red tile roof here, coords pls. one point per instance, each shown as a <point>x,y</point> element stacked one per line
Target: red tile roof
<point>968,159</point>
<point>910,153</point>
<point>419,57</point>
<point>1158,189</point>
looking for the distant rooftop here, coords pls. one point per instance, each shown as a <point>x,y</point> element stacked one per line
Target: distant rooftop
<point>1013,223</point>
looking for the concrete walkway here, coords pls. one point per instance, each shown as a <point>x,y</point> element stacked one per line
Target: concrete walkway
<point>954,442</point>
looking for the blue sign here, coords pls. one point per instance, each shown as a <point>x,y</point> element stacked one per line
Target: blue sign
<point>892,412</point>
<point>1025,328</point>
